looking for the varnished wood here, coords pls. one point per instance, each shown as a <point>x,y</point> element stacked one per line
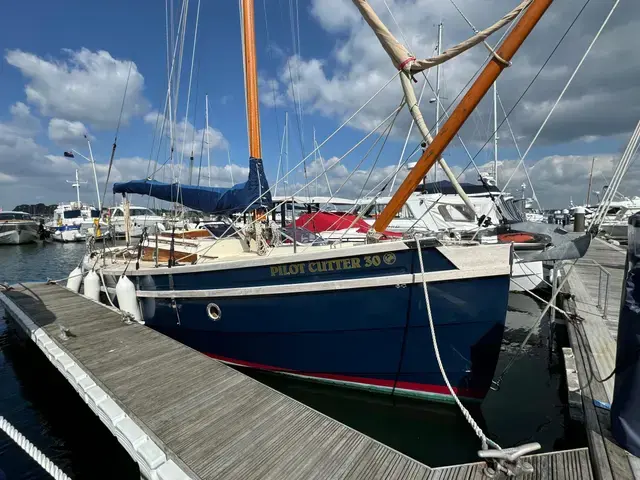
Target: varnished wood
<point>251,78</point>
<point>149,255</point>
<point>462,111</point>
<point>200,233</point>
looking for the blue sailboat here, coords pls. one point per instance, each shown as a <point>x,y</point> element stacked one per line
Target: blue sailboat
<point>358,316</point>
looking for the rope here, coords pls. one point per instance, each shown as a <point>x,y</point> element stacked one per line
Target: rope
<point>115,139</point>
<point>478,431</point>
<point>32,451</point>
<point>535,77</point>
<point>550,303</point>
<point>515,144</point>
<point>566,87</point>
<point>304,186</point>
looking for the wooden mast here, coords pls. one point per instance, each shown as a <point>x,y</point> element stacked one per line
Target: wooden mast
<point>251,77</point>
<point>462,111</point>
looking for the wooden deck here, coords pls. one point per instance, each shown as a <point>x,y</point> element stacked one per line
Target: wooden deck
<point>180,414</point>
<point>592,337</point>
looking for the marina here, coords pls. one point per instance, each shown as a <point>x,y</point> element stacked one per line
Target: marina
<point>595,286</point>
<point>382,296</point>
<point>153,394</point>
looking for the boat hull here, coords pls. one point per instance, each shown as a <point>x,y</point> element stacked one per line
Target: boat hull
<point>617,232</point>
<point>67,234</point>
<point>355,325</point>
<point>18,234</point>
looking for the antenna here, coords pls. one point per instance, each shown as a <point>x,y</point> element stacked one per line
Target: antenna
<point>76,185</point>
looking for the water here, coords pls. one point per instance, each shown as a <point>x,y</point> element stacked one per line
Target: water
<point>35,398</point>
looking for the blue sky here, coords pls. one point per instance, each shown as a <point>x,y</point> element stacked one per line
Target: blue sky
<point>339,65</point>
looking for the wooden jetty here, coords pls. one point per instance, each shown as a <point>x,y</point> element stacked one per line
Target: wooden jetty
<point>595,285</point>
<point>180,414</point>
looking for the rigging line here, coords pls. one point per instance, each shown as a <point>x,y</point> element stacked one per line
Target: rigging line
<point>186,111</point>
<point>566,87</point>
<point>115,139</point>
<point>271,62</point>
<point>382,183</point>
<point>195,110</point>
<point>171,88</point>
<point>295,93</point>
<point>277,205</point>
<point>182,31</point>
<point>515,142</point>
<point>381,149</point>
<point>446,111</point>
<point>335,132</point>
<point>275,192</point>
<point>406,140</point>
<point>385,135</point>
<point>549,304</point>
<point>535,77</point>
<point>201,154</point>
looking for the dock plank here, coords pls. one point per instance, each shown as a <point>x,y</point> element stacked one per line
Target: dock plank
<point>592,337</point>
<point>215,422</point>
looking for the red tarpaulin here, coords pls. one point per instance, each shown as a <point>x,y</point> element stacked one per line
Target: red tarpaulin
<point>328,222</point>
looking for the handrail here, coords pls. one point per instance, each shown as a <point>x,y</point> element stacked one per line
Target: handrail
<point>606,286</point>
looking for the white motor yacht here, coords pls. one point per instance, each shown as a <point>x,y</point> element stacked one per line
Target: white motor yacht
<point>17,228</point>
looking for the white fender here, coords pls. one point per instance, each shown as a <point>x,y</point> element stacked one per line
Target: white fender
<point>75,279</point>
<point>126,295</point>
<point>92,286</point>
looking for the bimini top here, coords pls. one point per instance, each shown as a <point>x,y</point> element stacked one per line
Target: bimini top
<point>249,195</point>
<point>445,187</point>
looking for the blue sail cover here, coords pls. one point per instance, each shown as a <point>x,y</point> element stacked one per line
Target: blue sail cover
<point>244,196</point>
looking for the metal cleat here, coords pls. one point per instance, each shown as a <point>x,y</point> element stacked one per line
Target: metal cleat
<point>508,461</point>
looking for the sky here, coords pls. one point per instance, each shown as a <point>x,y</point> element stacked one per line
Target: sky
<point>65,77</point>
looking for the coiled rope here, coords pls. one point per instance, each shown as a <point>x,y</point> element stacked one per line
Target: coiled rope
<point>478,431</point>
<point>51,468</point>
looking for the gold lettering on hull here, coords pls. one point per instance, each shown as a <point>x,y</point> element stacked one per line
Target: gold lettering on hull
<point>336,265</point>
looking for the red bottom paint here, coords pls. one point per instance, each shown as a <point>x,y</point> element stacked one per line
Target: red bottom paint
<point>415,387</point>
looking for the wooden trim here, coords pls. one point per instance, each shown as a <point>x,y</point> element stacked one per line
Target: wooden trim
<point>462,111</point>
<point>148,255</point>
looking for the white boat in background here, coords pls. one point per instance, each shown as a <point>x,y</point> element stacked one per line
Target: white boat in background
<point>71,221</point>
<point>139,218</point>
<point>616,221</point>
<point>17,228</point>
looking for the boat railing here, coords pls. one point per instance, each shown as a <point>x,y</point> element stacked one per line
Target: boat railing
<point>604,277</point>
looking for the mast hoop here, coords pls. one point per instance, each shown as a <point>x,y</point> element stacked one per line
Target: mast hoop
<point>496,57</point>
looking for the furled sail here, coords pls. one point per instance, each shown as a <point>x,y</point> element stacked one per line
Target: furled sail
<point>403,60</point>
<point>252,194</point>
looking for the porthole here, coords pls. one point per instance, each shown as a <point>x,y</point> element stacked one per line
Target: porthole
<point>214,312</point>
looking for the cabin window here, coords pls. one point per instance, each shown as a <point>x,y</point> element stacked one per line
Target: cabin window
<point>141,212</point>
<point>404,213</point>
<point>118,213</point>
<point>456,213</point>
<point>72,214</point>
<point>14,216</point>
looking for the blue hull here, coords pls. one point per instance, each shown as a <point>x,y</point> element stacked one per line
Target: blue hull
<point>376,337</point>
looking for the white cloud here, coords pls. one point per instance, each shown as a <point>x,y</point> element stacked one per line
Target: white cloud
<point>189,140</point>
<point>337,85</point>
<point>4,178</point>
<point>84,86</point>
<point>66,133</point>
